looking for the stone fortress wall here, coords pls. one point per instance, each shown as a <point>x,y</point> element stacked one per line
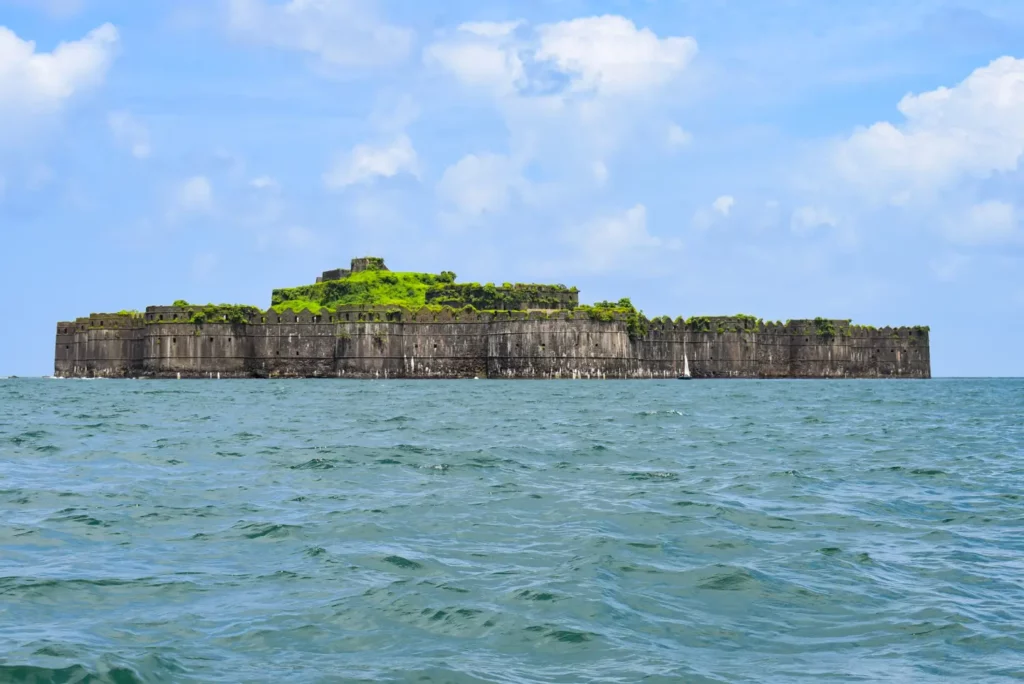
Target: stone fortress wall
<point>379,342</point>
<point>473,330</point>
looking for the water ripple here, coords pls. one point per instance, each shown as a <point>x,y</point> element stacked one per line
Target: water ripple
<point>743,531</point>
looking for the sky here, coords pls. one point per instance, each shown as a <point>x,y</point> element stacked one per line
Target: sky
<point>788,159</point>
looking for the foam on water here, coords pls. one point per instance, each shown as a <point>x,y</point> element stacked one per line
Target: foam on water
<point>740,531</point>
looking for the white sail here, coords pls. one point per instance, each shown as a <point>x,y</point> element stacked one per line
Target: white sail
<point>686,367</point>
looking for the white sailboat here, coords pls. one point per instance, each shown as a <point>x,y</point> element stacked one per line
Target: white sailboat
<point>686,368</point>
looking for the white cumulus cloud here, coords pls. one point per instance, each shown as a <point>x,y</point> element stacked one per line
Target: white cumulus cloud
<point>366,162</point>
<point>130,133</point>
<point>480,184</point>
<point>708,216</point>
<point>616,241</point>
<point>605,55</point>
<point>808,218</point>
<point>570,92</point>
<point>609,54</point>
<point>677,137</point>
<point>974,129</point>
<point>32,81</point>
<point>264,183</point>
<point>341,33</point>
<point>490,29</point>
<point>480,58</point>
<point>990,222</point>
<point>723,205</point>
<point>195,194</point>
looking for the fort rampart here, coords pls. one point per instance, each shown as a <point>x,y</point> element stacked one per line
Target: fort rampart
<point>384,342</point>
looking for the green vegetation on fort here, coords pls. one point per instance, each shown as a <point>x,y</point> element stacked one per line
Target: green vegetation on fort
<point>212,313</point>
<point>397,295</point>
<point>414,291</point>
<point>699,324</point>
<point>223,313</point>
<point>366,288</point>
<point>637,324</point>
<point>505,298</point>
<point>298,306</point>
<point>824,328</point>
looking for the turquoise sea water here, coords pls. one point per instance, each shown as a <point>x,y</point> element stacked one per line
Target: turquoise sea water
<point>531,531</point>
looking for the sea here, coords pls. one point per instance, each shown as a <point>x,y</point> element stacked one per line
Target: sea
<point>511,531</point>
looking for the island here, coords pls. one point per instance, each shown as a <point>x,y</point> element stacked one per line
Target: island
<point>369,322</point>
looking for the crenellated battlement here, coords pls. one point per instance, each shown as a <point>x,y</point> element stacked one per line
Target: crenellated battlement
<point>448,314</point>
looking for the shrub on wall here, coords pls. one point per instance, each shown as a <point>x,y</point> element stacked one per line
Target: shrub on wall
<point>824,328</point>
<point>700,324</point>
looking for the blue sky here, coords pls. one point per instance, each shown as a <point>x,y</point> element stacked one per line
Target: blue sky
<point>789,159</point>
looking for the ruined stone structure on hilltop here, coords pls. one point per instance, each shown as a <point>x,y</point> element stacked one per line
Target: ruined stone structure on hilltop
<point>358,266</point>
<point>445,329</point>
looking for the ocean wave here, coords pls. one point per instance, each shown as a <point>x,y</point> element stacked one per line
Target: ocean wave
<point>616,532</point>
<point>76,674</point>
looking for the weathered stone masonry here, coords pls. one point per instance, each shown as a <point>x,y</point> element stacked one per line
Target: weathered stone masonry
<point>379,343</point>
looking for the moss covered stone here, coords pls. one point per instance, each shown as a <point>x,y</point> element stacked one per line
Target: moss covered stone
<point>224,313</point>
<point>412,290</point>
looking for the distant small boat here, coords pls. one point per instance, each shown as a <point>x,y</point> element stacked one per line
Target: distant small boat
<point>686,369</point>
